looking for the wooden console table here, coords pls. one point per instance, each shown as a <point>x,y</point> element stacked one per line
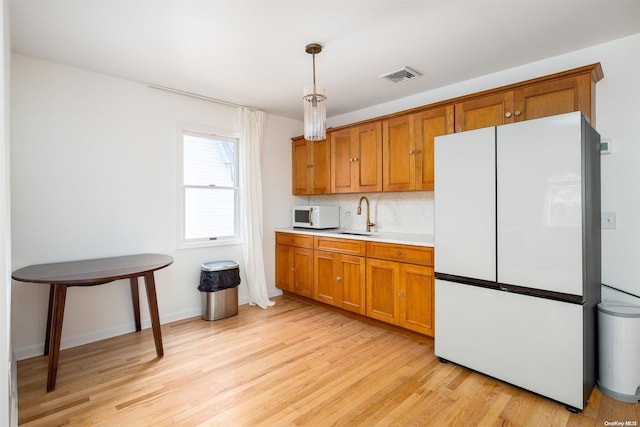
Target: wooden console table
<point>93,272</point>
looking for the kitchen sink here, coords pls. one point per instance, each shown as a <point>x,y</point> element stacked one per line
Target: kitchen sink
<point>355,233</point>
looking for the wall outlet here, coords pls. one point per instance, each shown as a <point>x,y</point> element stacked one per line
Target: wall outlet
<point>348,213</point>
<point>608,220</point>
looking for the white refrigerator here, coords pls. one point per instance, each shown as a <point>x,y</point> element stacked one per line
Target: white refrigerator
<point>517,267</point>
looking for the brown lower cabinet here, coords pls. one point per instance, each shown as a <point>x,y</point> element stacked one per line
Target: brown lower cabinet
<point>294,263</point>
<point>340,280</point>
<point>339,272</point>
<point>400,285</point>
<point>392,283</point>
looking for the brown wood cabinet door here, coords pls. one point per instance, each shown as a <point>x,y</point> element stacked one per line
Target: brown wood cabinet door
<point>301,162</point>
<point>350,281</point>
<point>303,272</point>
<point>320,171</point>
<point>356,159</point>
<point>284,264</point>
<point>398,169</point>
<point>368,158</point>
<point>490,110</point>
<point>407,148</point>
<point>428,125</point>
<point>294,270</point>
<point>555,97</point>
<point>383,279</point>
<point>311,167</point>
<point>340,280</point>
<point>324,277</point>
<point>416,298</point>
<point>342,163</point>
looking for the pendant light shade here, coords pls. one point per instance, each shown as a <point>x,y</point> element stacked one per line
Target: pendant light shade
<point>315,103</point>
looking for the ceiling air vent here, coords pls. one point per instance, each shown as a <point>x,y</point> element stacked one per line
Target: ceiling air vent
<point>405,73</point>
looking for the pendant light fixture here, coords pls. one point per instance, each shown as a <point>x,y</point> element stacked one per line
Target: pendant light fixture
<point>315,103</point>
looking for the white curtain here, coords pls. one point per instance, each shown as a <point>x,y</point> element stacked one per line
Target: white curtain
<point>251,135</point>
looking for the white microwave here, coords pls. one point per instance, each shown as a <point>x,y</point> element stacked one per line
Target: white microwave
<point>317,217</point>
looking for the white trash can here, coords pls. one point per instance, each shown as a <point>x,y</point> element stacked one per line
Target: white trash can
<point>619,351</point>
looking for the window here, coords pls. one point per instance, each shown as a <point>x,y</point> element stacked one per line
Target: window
<point>209,188</point>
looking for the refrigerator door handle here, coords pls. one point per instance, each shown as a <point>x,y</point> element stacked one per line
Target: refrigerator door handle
<point>466,280</point>
<point>522,290</point>
<point>541,293</point>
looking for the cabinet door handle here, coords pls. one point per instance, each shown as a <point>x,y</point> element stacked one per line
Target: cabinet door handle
<point>338,278</point>
<point>517,112</point>
<point>507,114</point>
<point>417,151</point>
<point>293,268</point>
<point>400,293</point>
<point>399,252</point>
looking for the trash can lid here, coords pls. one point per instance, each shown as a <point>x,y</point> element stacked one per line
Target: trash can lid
<point>619,310</point>
<point>219,265</point>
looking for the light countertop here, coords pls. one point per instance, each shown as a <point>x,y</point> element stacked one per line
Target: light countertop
<point>374,236</point>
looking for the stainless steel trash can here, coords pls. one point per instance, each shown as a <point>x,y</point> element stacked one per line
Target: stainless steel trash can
<point>219,282</point>
<point>619,351</point>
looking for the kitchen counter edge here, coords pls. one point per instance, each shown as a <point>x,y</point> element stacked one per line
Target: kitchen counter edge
<point>384,237</point>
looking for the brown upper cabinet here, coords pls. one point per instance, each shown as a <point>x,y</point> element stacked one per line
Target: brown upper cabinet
<point>395,152</point>
<point>311,167</point>
<point>572,90</point>
<point>407,148</point>
<point>356,159</point>
<point>490,110</point>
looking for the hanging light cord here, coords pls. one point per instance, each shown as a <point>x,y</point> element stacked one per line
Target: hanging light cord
<point>314,75</point>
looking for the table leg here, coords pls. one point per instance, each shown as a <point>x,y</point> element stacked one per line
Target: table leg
<point>150,285</point>
<point>47,337</point>
<point>59,296</point>
<point>135,297</point>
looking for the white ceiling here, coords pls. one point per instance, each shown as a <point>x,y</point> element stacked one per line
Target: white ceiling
<point>252,52</point>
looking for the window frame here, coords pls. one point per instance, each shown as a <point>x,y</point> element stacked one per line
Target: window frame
<point>200,131</point>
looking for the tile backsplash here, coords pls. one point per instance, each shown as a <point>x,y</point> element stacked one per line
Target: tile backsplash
<point>407,212</point>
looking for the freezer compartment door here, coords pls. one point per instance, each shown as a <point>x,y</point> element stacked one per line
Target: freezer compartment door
<point>464,200</point>
<point>539,201</point>
<point>534,343</point>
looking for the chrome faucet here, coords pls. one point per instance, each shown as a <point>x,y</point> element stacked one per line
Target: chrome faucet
<point>359,212</point>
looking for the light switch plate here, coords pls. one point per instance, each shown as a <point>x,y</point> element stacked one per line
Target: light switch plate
<point>608,220</point>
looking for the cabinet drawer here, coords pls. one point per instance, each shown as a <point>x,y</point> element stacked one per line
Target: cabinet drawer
<point>300,240</point>
<point>421,255</point>
<point>342,246</point>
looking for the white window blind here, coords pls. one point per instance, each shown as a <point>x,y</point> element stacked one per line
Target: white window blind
<point>210,184</point>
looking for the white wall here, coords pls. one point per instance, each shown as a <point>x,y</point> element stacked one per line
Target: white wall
<point>94,175</point>
<point>617,118</point>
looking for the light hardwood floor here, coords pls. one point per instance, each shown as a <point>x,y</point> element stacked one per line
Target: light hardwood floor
<point>292,364</point>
